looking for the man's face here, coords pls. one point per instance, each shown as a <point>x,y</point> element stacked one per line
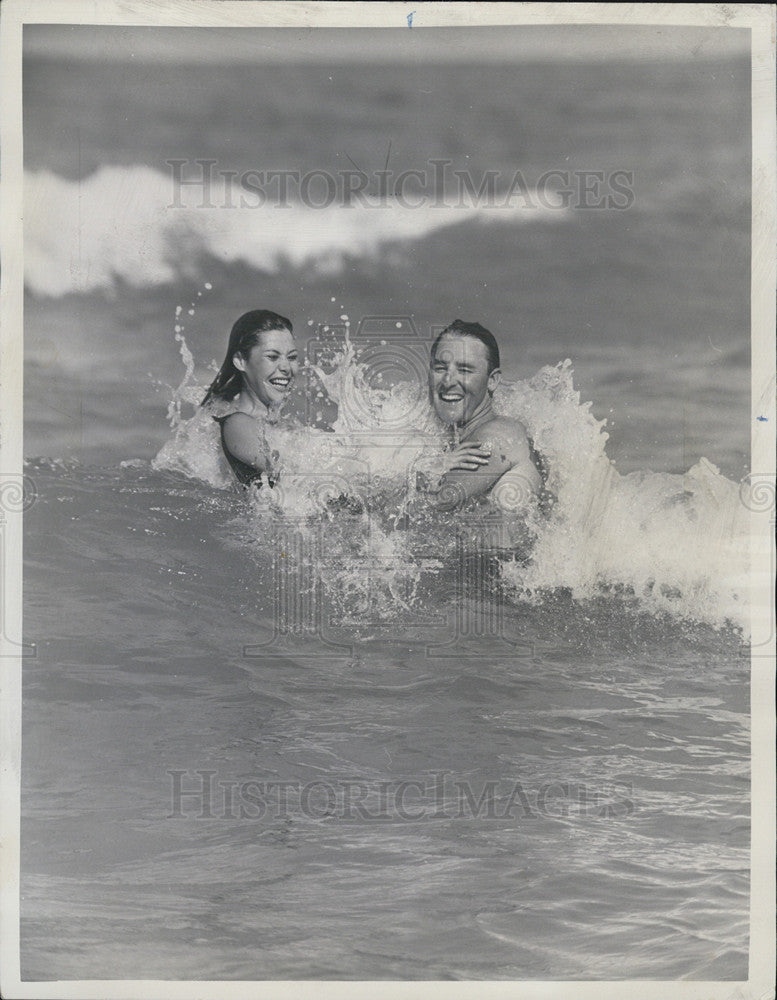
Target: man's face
<point>459,379</point>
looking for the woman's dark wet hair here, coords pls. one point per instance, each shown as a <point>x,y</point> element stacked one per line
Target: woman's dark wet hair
<point>486,338</point>
<point>243,336</point>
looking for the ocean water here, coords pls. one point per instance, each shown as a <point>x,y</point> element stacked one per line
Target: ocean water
<point>526,765</point>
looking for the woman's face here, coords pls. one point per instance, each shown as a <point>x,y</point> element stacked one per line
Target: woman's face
<point>270,366</point>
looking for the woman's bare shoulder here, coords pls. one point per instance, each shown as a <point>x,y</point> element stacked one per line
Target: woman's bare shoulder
<point>241,436</point>
<point>239,418</point>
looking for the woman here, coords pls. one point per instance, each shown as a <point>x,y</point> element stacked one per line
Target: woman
<point>256,376</point>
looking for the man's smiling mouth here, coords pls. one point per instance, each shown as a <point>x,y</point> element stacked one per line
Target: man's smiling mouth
<point>451,397</point>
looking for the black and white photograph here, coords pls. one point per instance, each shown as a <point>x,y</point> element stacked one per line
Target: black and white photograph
<point>387,499</point>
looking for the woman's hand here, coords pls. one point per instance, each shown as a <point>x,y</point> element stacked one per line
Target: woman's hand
<point>469,456</point>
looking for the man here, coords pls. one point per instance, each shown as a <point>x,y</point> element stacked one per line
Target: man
<point>489,454</point>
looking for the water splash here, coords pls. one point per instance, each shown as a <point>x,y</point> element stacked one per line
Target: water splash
<point>669,544</point>
<point>674,543</point>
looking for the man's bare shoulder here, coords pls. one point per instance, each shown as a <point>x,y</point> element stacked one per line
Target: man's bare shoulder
<point>504,432</point>
<point>509,424</point>
<point>510,445</point>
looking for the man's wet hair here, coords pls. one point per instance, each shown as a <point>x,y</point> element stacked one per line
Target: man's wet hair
<point>461,329</point>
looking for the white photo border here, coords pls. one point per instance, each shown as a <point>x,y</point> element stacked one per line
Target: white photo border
<point>760,19</point>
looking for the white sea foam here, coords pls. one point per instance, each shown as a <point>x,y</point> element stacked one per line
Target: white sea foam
<point>133,224</point>
<point>673,544</point>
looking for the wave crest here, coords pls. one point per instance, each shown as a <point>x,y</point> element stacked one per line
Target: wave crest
<point>136,225</point>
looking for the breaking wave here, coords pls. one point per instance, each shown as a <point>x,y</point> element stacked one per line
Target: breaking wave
<point>135,225</point>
